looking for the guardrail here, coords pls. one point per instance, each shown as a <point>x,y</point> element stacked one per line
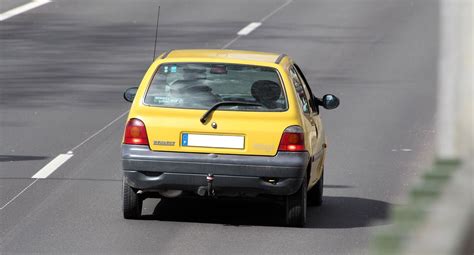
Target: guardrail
<point>439,215</point>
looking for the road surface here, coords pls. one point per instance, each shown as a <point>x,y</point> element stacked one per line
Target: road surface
<point>65,64</point>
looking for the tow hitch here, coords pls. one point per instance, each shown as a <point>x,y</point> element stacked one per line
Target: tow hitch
<point>209,189</point>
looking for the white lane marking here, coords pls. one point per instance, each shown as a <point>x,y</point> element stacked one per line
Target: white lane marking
<point>261,21</point>
<point>54,164</point>
<point>69,153</point>
<point>276,10</point>
<point>249,28</point>
<point>96,133</point>
<point>405,150</point>
<point>23,8</point>
<point>231,42</point>
<point>17,195</point>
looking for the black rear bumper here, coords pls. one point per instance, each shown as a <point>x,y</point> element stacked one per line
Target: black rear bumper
<point>233,174</point>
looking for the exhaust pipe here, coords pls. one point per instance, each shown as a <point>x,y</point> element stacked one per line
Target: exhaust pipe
<point>171,193</point>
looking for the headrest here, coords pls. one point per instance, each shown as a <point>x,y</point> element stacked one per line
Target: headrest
<point>266,91</point>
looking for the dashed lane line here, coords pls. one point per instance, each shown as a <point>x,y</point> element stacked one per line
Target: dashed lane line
<point>23,8</point>
<point>253,25</point>
<point>49,168</point>
<point>249,28</point>
<point>53,165</point>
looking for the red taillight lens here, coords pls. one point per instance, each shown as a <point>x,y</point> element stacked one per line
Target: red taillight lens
<point>135,133</point>
<point>292,141</point>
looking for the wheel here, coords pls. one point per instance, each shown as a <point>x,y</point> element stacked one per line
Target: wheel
<point>296,207</point>
<point>132,202</point>
<point>315,194</point>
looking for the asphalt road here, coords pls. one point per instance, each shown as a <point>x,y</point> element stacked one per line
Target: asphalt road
<point>64,66</point>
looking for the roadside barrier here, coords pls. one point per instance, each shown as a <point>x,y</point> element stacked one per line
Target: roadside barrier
<point>439,215</point>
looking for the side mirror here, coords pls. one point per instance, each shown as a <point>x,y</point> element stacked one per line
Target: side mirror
<point>329,102</point>
<point>129,94</point>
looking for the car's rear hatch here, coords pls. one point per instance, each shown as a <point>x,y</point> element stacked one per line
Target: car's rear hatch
<point>226,131</point>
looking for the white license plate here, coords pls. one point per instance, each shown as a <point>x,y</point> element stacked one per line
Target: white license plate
<point>213,141</point>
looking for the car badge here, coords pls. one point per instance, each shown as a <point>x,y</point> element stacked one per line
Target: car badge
<point>164,143</point>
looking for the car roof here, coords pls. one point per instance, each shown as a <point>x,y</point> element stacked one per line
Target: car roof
<point>209,54</point>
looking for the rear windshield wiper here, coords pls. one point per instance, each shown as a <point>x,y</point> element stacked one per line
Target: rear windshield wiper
<point>217,105</point>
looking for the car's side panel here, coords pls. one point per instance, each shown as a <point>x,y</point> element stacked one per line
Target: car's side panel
<point>319,149</point>
<point>315,133</point>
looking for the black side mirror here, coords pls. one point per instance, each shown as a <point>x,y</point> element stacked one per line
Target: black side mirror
<point>329,102</point>
<point>129,94</point>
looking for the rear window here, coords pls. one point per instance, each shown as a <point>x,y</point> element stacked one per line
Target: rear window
<point>201,85</point>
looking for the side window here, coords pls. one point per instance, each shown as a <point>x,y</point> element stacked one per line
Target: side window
<point>309,93</point>
<point>301,93</point>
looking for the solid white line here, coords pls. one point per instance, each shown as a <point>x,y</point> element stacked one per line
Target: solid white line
<point>249,28</point>
<point>96,133</point>
<point>231,42</point>
<point>17,195</point>
<point>52,166</point>
<point>23,8</point>
<point>275,11</point>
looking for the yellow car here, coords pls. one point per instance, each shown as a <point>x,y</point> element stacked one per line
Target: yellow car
<point>224,123</point>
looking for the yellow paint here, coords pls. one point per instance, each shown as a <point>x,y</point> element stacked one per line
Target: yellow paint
<point>262,130</point>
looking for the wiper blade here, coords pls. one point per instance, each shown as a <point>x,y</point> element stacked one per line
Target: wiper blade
<point>217,105</point>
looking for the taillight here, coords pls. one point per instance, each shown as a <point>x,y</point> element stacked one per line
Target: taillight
<point>135,133</point>
<point>292,139</point>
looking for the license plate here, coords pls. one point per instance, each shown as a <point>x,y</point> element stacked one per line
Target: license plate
<point>213,141</point>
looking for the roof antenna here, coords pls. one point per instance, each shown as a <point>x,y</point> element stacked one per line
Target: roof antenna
<point>156,33</point>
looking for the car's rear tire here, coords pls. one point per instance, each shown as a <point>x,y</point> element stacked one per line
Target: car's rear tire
<point>315,194</point>
<point>296,206</point>
<point>132,202</point>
